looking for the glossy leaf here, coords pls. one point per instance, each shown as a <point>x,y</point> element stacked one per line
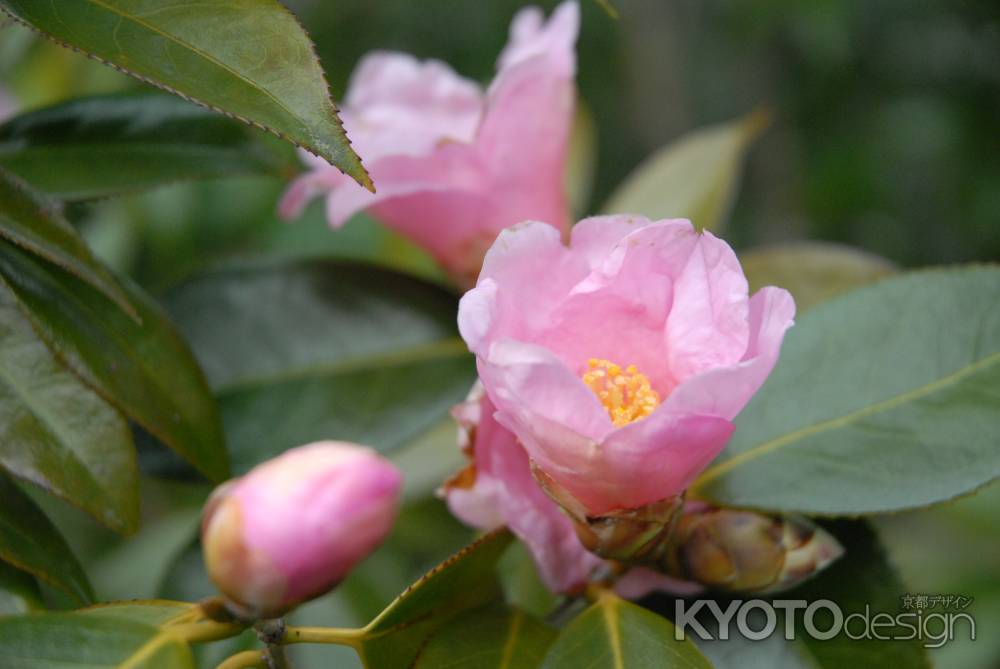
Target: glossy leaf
<point>493,637</point>
<point>696,177</point>
<point>57,433</point>
<point>617,634</point>
<point>883,399</point>
<point>309,350</point>
<point>812,272</point>
<point>465,581</point>
<point>106,637</point>
<point>146,370</point>
<point>29,541</point>
<point>114,144</point>
<point>19,591</point>
<point>32,224</point>
<point>249,59</point>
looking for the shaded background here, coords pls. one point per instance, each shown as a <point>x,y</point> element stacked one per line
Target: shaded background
<point>886,135</point>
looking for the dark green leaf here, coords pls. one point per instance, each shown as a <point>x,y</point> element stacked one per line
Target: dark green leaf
<point>319,349</point>
<point>883,399</point>
<point>145,370</point>
<point>493,637</point>
<point>47,640</point>
<point>18,590</point>
<point>56,432</point>
<point>812,272</point>
<point>465,581</point>
<point>695,177</point>
<point>862,578</point>
<point>108,145</point>
<point>30,222</point>
<point>249,59</point>
<point>29,541</point>
<point>617,634</point>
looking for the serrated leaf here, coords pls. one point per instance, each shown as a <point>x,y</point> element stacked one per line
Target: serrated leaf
<point>29,541</point>
<point>883,399</point>
<point>114,144</point>
<point>493,637</point>
<point>57,433</point>
<point>308,350</point>
<point>695,177</point>
<point>812,272</point>
<point>247,58</point>
<point>31,223</point>
<point>146,370</point>
<point>617,634</point>
<point>19,591</point>
<point>465,581</point>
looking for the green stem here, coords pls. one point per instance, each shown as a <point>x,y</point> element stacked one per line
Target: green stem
<point>246,660</point>
<point>330,635</point>
<point>206,630</point>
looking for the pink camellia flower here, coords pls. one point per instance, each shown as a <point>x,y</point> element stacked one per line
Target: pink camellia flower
<point>616,366</point>
<point>293,527</point>
<point>453,165</point>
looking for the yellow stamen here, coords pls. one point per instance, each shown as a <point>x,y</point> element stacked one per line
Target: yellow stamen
<point>626,394</point>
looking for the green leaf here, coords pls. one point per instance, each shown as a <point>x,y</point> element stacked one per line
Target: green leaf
<point>30,222</point>
<point>18,590</point>
<point>617,634</point>
<point>29,541</point>
<point>110,145</point>
<point>493,637</point>
<point>862,578</point>
<point>308,350</point>
<point>155,612</point>
<point>47,640</point>
<point>146,370</point>
<point>139,566</point>
<point>56,432</point>
<point>249,59</point>
<point>812,272</point>
<point>465,581</point>
<point>696,177</point>
<point>883,399</point>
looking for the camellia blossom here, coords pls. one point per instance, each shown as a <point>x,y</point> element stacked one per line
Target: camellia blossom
<point>615,365</point>
<point>293,527</point>
<point>452,165</point>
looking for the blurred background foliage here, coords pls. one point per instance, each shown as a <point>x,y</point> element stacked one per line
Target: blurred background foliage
<point>884,136</point>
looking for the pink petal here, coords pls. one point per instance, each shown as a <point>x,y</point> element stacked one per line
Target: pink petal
<point>639,582</point>
<point>532,37</point>
<point>724,392</point>
<point>505,484</point>
<point>707,327</point>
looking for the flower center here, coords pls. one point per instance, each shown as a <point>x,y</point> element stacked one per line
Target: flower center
<point>625,393</point>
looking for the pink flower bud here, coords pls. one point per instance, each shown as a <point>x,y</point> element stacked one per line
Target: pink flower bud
<point>293,527</point>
